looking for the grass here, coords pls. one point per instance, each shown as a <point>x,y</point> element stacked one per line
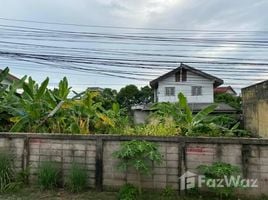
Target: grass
<point>77,178</point>
<point>48,175</point>
<point>36,193</point>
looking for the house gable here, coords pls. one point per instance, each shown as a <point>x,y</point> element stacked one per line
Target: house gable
<point>216,81</point>
<point>196,85</point>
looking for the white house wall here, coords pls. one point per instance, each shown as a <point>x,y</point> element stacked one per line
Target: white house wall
<point>186,88</point>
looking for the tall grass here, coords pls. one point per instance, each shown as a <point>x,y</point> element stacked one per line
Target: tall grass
<point>48,175</point>
<point>7,173</point>
<point>77,178</point>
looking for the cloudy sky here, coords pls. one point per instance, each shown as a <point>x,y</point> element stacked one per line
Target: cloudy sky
<point>248,17</point>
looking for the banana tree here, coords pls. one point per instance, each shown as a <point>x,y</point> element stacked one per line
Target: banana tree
<point>191,122</point>
<point>9,99</point>
<point>32,108</point>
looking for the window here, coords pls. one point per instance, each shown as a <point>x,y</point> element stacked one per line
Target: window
<point>178,76</point>
<point>181,76</point>
<point>184,75</point>
<point>170,91</point>
<point>196,90</point>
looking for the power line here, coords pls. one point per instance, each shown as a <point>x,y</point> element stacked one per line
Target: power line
<point>130,28</point>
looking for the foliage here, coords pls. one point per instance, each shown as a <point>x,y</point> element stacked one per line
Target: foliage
<point>224,120</point>
<point>22,176</point>
<point>234,101</point>
<point>128,192</point>
<point>8,100</point>
<point>119,120</point>
<point>138,155</point>
<point>32,108</point>
<point>189,123</point>
<point>131,95</point>
<point>128,96</point>
<point>77,178</point>
<point>155,127</point>
<point>199,124</point>
<point>7,173</point>
<point>48,175</point>
<point>168,193</point>
<point>108,98</point>
<point>40,109</point>
<point>220,170</point>
<point>146,95</point>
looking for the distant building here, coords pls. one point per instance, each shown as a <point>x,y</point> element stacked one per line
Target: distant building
<point>95,89</point>
<point>255,108</point>
<point>141,112</point>
<point>225,90</point>
<point>197,86</point>
<point>9,79</point>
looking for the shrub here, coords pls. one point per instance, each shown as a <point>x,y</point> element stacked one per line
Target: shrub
<point>22,176</point>
<point>138,155</point>
<point>77,178</point>
<point>128,192</point>
<point>48,175</point>
<point>220,170</point>
<point>168,193</point>
<point>7,173</point>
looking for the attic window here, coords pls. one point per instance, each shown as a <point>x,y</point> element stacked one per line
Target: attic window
<point>184,75</point>
<point>181,75</point>
<point>178,77</point>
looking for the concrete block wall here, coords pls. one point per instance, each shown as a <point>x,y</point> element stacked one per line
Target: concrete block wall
<point>180,154</point>
<point>163,175</point>
<point>15,148</point>
<point>63,152</point>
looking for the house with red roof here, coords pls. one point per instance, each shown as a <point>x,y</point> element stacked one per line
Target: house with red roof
<point>225,90</point>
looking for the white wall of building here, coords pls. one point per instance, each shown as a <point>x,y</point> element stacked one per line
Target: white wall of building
<point>186,88</point>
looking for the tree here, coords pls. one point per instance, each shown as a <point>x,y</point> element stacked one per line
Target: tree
<point>108,96</point>
<point>128,96</point>
<point>146,94</point>
<point>234,101</point>
<point>131,95</point>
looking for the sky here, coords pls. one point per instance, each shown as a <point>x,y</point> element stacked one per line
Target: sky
<point>227,15</point>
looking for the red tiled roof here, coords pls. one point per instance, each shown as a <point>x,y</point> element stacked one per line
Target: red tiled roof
<point>220,90</point>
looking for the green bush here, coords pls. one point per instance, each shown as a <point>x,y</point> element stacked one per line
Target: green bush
<point>128,192</point>
<point>48,175</point>
<point>138,155</point>
<point>156,126</point>
<point>168,193</point>
<point>7,173</point>
<point>22,176</point>
<point>220,170</point>
<point>77,178</point>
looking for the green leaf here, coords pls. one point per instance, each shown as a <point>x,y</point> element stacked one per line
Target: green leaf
<point>28,90</point>
<point>4,74</point>
<point>41,91</point>
<point>182,100</point>
<point>17,127</point>
<point>204,113</point>
<point>184,105</point>
<point>235,126</point>
<point>116,107</point>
